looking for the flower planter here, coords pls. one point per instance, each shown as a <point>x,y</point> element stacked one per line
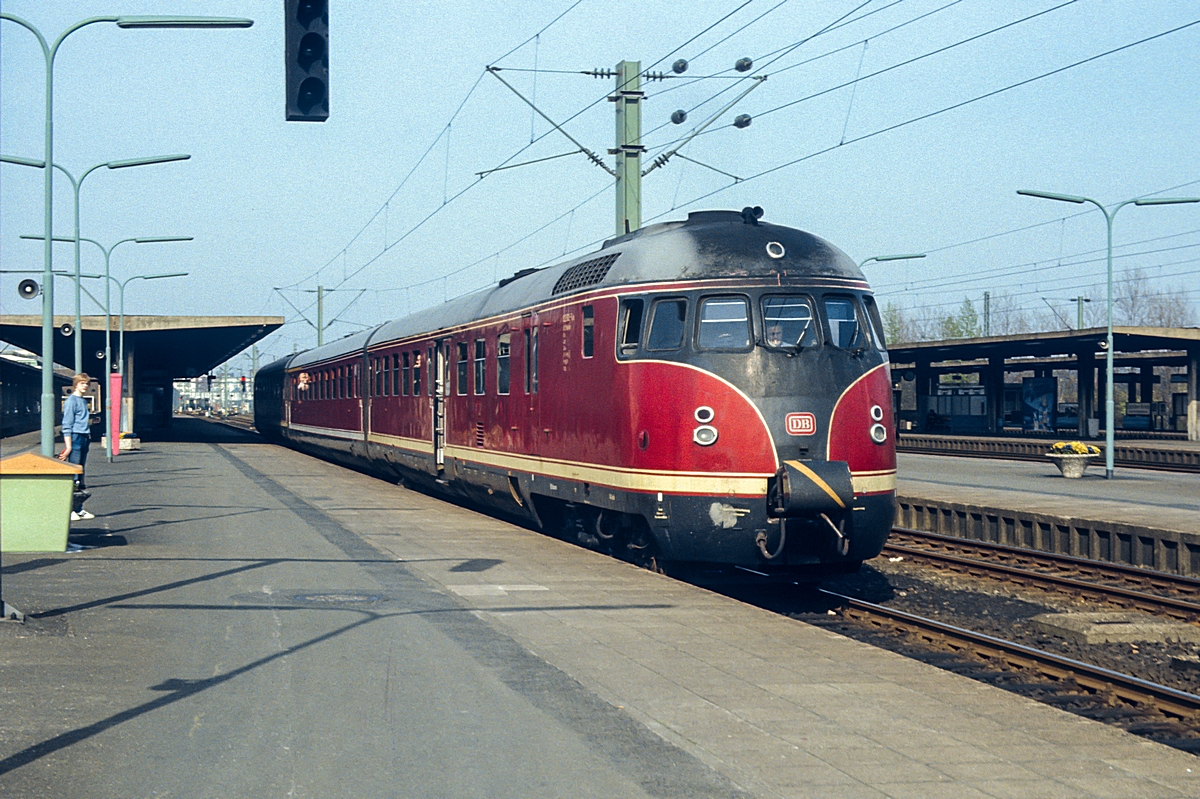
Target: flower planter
<point>1071,465</point>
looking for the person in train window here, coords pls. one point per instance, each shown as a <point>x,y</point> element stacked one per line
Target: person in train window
<point>775,336</point>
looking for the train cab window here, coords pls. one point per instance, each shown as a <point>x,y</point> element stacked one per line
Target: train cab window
<point>502,355</point>
<point>788,322</point>
<point>876,322</point>
<point>416,374</point>
<point>667,325</point>
<point>461,368</point>
<point>480,365</point>
<point>631,325</point>
<point>589,332</point>
<point>724,323</point>
<point>844,328</point>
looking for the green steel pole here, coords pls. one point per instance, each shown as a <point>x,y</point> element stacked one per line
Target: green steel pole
<point>628,99</point>
<point>320,315</point>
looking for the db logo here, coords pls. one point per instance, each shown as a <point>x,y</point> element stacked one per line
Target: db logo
<point>800,424</point>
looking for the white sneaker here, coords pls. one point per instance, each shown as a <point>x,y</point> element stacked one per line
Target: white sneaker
<point>83,514</point>
<point>75,516</point>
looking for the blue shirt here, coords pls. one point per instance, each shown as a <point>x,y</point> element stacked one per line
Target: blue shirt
<point>75,416</point>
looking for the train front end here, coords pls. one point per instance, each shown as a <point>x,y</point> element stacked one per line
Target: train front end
<point>777,397</point>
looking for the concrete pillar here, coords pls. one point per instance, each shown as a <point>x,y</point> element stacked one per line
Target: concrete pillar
<point>1193,369</point>
<point>993,381</point>
<point>1085,377</point>
<point>924,376</point>
<point>127,392</point>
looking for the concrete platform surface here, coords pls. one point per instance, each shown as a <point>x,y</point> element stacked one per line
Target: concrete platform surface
<point>262,623</point>
<point>1136,497</point>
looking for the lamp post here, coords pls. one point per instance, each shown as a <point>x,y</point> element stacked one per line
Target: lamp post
<point>1109,412</point>
<point>49,51</point>
<point>108,451</point>
<point>881,258</point>
<point>121,310</point>
<point>76,185</point>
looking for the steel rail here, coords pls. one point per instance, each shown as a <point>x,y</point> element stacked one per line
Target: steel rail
<point>1127,597</point>
<point>1162,580</point>
<point>1099,683</point>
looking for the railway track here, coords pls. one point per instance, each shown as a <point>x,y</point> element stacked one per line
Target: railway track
<point>1140,706</point>
<point>1126,587</point>
<point>1118,462</point>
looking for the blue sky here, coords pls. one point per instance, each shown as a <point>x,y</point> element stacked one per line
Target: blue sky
<point>360,202</point>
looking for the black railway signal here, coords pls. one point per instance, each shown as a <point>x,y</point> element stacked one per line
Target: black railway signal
<point>306,26</point>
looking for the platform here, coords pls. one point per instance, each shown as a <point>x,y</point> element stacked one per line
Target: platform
<point>262,623</point>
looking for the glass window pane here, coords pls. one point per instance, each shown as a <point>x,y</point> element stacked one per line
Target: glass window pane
<point>666,329</point>
<point>843,322</point>
<point>589,327</point>
<point>876,322</point>
<point>480,365</point>
<point>631,318</point>
<point>463,369</point>
<point>502,355</point>
<point>725,323</point>
<point>788,322</point>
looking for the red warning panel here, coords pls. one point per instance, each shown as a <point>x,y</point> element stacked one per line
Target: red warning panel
<point>800,424</point>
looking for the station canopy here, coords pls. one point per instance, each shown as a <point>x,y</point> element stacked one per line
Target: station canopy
<point>1049,344</point>
<point>167,347</point>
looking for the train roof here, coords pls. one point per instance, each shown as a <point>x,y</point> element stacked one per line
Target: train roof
<point>707,245</point>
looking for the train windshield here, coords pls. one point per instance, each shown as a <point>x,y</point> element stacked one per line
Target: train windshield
<point>667,325</point>
<point>844,329</point>
<point>724,323</point>
<point>788,322</point>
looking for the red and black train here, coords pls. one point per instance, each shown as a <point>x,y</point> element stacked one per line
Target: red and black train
<point>714,390</point>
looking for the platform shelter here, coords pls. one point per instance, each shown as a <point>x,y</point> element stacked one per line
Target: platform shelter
<point>158,350</point>
<point>996,384</point>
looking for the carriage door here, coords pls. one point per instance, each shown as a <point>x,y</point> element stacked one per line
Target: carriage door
<point>441,353</point>
<point>529,344</point>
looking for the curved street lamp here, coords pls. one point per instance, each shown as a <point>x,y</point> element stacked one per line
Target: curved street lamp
<point>76,185</point>
<point>881,258</point>
<point>49,51</point>
<point>1109,413</point>
<point>108,315</point>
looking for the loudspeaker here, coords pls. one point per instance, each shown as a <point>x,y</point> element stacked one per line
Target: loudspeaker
<point>28,289</point>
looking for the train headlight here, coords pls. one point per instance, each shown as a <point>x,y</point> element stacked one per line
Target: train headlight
<point>876,413</point>
<point>878,433</point>
<point>705,435</point>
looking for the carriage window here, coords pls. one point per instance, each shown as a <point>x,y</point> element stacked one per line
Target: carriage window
<point>843,323</point>
<point>631,324</point>
<point>429,383</point>
<point>416,374</point>
<point>379,377</point>
<point>480,364</point>
<point>463,367</point>
<point>589,331</point>
<point>876,322</point>
<point>404,370</point>
<point>724,323</point>
<point>666,325</point>
<point>788,322</point>
<point>502,346</point>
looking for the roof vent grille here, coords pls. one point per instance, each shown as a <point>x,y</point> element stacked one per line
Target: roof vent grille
<point>588,273</point>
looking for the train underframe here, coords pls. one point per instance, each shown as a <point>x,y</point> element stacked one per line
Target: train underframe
<point>650,529</point>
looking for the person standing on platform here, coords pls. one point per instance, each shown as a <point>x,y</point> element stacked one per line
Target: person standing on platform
<point>77,438</point>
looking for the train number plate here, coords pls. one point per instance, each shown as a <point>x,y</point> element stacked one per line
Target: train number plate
<point>801,424</point>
